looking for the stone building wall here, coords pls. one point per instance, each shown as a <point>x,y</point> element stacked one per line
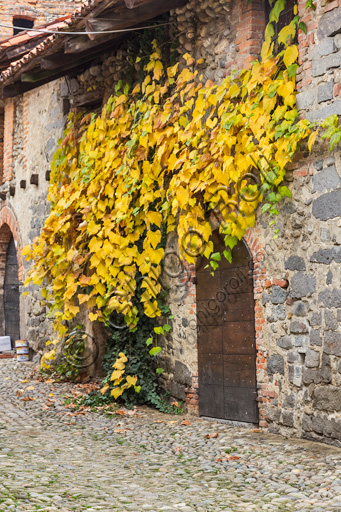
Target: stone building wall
<point>33,124</point>
<point>296,277</point>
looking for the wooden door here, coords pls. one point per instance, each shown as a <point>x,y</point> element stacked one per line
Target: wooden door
<point>11,294</point>
<point>226,337</point>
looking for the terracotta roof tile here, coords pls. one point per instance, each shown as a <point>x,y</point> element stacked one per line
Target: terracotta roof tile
<point>70,21</point>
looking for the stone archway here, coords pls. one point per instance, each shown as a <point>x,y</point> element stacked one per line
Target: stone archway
<point>9,285</point>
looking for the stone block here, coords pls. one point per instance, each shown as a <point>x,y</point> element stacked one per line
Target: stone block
<point>177,390</point>
<point>278,296</point>
<point>326,111</point>
<point>321,65</point>
<point>329,24</point>
<point>331,298</point>
<point>327,398</point>
<point>288,418</point>
<point>325,92</point>
<point>285,342</point>
<point>316,319</point>
<point>330,160</point>
<point>182,374</point>
<point>318,165</point>
<point>295,263</point>
<point>306,99</point>
<point>329,279</point>
<point>315,338</point>
<point>328,206</point>
<point>328,179</point>
<point>331,323</point>
<point>339,315</point>
<point>289,401</point>
<point>312,359</point>
<point>317,424</point>
<point>292,357</point>
<point>326,47</point>
<point>298,327</point>
<point>332,343</point>
<point>302,285</point>
<point>306,422</point>
<point>275,364</point>
<point>299,309</point>
<point>326,256</point>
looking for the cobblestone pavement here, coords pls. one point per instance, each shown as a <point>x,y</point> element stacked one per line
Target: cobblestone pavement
<point>52,459</point>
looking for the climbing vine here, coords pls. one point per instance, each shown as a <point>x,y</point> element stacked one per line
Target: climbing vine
<point>159,158</point>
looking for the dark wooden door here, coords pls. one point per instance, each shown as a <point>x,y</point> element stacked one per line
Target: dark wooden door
<point>11,294</point>
<point>226,337</point>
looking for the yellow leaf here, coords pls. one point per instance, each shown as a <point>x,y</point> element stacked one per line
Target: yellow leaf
<point>119,365</point>
<point>131,380</point>
<point>116,392</point>
<point>312,139</point>
<point>116,374</point>
<point>105,389</point>
<point>290,55</point>
<point>158,70</point>
<point>93,316</point>
<point>123,357</point>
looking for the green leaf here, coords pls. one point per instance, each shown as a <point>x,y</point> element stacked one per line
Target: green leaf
<point>214,265</point>
<point>216,256</point>
<point>159,330</point>
<point>159,371</point>
<point>228,256</point>
<point>302,26</point>
<point>167,327</point>
<point>155,351</point>
<point>137,389</point>
<point>149,341</point>
<point>277,10</point>
<point>284,191</point>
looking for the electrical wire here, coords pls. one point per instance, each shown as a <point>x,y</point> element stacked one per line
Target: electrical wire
<point>83,33</point>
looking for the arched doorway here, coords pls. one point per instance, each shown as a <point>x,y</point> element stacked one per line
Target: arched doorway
<point>9,286</point>
<point>11,293</point>
<point>226,337</point>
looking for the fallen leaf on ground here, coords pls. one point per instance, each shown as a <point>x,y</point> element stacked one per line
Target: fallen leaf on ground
<point>212,436</point>
<point>24,381</point>
<point>257,430</point>
<point>186,423</point>
<point>172,422</point>
<point>29,388</point>
<point>19,392</point>
<point>120,412</point>
<point>50,381</point>
<point>233,457</point>
<point>175,404</point>
<point>157,421</point>
<point>27,399</point>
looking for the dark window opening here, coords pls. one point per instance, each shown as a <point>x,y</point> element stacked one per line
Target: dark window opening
<point>285,17</point>
<point>20,24</point>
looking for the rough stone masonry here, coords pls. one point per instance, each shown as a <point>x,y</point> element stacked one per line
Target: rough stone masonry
<point>296,277</point>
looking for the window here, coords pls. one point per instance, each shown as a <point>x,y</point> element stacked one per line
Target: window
<point>286,16</point>
<point>20,24</point>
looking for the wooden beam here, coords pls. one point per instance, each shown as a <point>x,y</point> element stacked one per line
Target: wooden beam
<point>83,43</point>
<point>123,17</point>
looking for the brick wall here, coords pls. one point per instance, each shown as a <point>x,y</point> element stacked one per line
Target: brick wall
<point>2,125</point>
<point>37,10</point>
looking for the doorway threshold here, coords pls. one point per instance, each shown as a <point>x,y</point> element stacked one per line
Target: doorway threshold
<point>232,423</point>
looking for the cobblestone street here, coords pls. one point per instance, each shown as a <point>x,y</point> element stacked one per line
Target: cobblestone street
<point>53,459</point>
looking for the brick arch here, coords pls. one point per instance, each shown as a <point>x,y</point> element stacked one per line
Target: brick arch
<point>9,226</point>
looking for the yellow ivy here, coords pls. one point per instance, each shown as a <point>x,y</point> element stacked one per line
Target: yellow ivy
<point>161,157</point>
